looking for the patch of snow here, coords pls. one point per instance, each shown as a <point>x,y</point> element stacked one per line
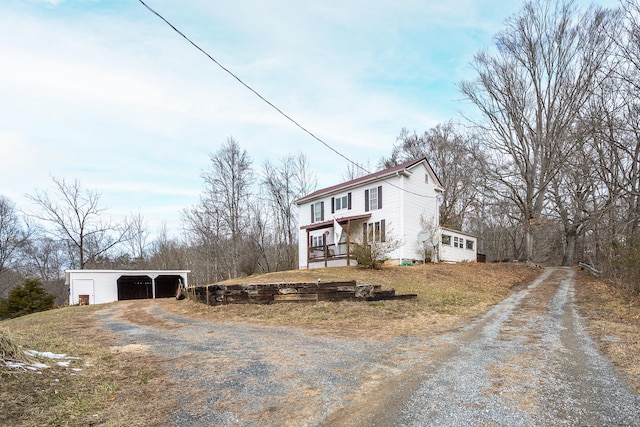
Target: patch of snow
<point>14,364</point>
<point>47,354</point>
<point>39,365</point>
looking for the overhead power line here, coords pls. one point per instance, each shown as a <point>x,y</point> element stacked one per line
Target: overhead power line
<point>250,88</point>
<point>282,113</point>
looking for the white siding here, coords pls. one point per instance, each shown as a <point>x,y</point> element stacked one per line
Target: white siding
<point>451,253</point>
<point>416,207</point>
<point>102,285</point>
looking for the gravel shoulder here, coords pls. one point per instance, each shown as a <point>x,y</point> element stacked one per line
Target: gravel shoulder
<point>528,361</point>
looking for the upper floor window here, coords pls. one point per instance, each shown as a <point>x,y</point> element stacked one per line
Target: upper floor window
<point>373,198</point>
<point>340,203</point>
<point>317,212</point>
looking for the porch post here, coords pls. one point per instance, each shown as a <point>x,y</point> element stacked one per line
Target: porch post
<point>324,246</point>
<point>308,250</point>
<point>348,249</point>
<point>153,285</point>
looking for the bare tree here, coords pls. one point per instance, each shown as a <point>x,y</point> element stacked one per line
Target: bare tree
<point>227,190</point>
<point>530,93</point>
<point>76,218</point>
<point>571,194</point>
<point>14,234</point>
<point>46,259</point>
<point>137,238</point>
<point>166,253</point>
<point>207,243</point>
<point>356,170</point>
<point>284,184</point>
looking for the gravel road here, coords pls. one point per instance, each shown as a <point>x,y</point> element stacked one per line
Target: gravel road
<point>529,361</point>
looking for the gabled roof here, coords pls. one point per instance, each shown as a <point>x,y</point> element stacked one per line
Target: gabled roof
<point>371,177</point>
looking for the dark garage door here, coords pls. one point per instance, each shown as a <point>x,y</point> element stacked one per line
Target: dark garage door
<point>167,285</point>
<point>134,287</point>
<point>141,287</point>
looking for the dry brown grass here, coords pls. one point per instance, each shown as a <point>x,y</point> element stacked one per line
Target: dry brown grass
<point>614,321</point>
<point>446,293</point>
<point>106,391</point>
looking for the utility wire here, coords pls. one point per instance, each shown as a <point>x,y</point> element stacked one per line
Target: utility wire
<point>266,100</point>
<point>250,88</point>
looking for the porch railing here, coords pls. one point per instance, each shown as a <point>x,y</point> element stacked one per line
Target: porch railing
<point>331,251</point>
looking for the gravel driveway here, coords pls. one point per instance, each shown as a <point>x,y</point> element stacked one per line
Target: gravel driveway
<point>529,361</point>
<point>236,374</point>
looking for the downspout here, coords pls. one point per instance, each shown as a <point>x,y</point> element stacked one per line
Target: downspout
<point>401,249</point>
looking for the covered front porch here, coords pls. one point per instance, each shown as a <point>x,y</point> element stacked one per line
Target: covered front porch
<point>324,251</point>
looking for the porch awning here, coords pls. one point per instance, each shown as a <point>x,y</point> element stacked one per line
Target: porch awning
<point>329,223</point>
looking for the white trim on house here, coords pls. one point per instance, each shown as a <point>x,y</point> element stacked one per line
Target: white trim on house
<point>103,286</point>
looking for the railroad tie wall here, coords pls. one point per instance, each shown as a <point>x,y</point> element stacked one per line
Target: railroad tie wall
<point>269,293</point>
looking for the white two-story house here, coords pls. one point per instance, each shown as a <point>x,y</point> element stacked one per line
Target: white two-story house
<point>397,203</point>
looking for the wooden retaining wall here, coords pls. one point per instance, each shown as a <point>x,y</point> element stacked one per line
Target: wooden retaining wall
<point>269,293</point>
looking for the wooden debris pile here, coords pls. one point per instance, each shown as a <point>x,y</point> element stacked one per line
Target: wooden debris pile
<point>268,293</point>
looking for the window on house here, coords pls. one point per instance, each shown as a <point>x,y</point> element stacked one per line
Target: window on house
<point>446,239</point>
<point>317,212</point>
<point>373,198</point>
<point>470,244</point>
<point>458,242</point>
<point>340,203</point>
<point>316,241</point>
<point>375,232</point>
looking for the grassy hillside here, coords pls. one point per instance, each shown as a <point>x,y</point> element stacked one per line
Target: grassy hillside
<point>447,293</point>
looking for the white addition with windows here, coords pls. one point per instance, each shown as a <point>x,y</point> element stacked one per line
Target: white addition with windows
<point>456,246</point>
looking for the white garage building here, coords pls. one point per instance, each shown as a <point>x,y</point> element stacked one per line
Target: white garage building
<point>102,286</point>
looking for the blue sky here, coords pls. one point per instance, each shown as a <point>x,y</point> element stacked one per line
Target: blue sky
<point>106,93</point>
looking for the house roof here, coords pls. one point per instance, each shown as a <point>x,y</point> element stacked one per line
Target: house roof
<point>451,230</point>
<point>371,177</point>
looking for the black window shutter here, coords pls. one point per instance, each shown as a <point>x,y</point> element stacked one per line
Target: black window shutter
<point>333,205</point>
<point>382,231</point>
<point>313,217</point>
<point>349,201</point>
<point>321,211</point>
<point>380,197</point>
<point>366,200</point>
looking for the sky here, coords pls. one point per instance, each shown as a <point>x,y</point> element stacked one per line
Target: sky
<point>105,93</point>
